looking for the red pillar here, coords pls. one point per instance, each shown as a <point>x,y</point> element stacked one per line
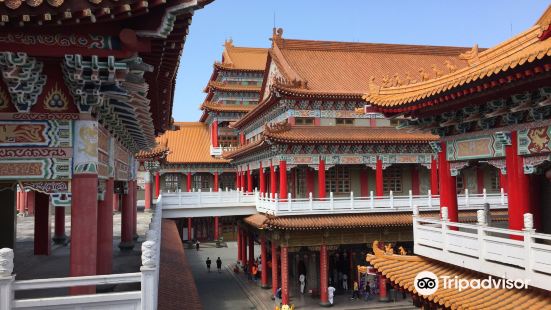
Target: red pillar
<point>105,230</point>
<point>116,202</point>
<point>519,186</point>
<point>379,189</point>
<point>237,181</point>
<point>309,181</point>
<point>364,183</point>
<point>324,282</point>
<point>84,205</point>
<point>243,181</point>
<point>31,202</point>
<point>127,217</point>
<point>415,187</point>
<point>383,294</point>
<point>273,181</point>
<point>321,178</point>
<point>244,247</point>
<point>157,184</point>
<point>503,181</point>
<point>215,133</point>
<point>216,228</point>
<point>148,192</point>
<point>189,229</point>
<point>239,244</point>
<point>249,181</point>
<point>24,201</point>
<point>480,179</point>
<point>262,179</point>
<point>284,275</point>
<point>59,229</point>
<point>19,202</point>
<point>448,190</point>
<point>135,209</point>
<point>434,177</point>
<point>251,252</point>
<point>216,181</point>
<point>188,182</point>
<point>275,280</point>
<point>282,179</point>
<point>42,230</point>
<point>264,263</point>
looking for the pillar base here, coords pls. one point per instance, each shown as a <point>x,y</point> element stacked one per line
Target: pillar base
<point>326,304</point>
<point>150,210</point>
<point>384,299</point>
<point>60,239</point>
<point>126,246</point>
<point>265,286</point>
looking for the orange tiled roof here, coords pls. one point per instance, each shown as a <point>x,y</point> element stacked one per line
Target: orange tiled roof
<point>214,85</point>
<point>402,269</point>
<point>159,151</point>
<point>245,149</point>
<point>522,49</point>
<point>219,107</point>
<point>243,58</point>
<point>360,220</point>
<point>189,143</point>
<point>345,134</point>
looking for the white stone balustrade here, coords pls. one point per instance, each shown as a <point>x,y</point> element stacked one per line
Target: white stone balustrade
<point>500,252</point>
<point>145,299</point>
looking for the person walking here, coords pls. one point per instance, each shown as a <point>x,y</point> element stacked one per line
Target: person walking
<point>345,282</point>
<point>219,264</point>
<point>302,280</point>
<point>197,245</point>
<point>331,293</point>
<point>208,263</point>
<point>277,297</point>
<point>355,291</point>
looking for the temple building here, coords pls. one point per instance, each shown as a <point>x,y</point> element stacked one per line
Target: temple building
<point>85,85</point>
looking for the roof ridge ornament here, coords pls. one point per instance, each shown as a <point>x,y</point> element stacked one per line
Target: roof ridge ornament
<point>471,56</point>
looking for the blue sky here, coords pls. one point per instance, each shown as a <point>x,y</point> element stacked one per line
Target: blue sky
<point>250,23</point>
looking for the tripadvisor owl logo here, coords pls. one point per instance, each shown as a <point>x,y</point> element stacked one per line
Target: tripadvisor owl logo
<point>426,283</point>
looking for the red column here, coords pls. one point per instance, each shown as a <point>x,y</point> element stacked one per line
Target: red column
<point>273,181</point>
<point>379,189</point>
<point>148,192</point>
<point>19,200</point>
<point>324,282</point>
<point>244,247</point>
<point>364,183</point>
<point>242,138</point>
<point>249,181</point>
<point>42,230</point>
<point>188,182</point>
<point>243,181</point>
<point>239,244</point>
<point>216,228</point>
<point>480,179</point>
<point>519,190</point>
<point>448,190</point>
<point>157,184</point>
<point>105,230</point>
<point>237,181</point>
<point>284,275</point>
<point>321,178</point>
<point>262,179</point>
<point>127,219</point>
<point>215,133</point>
<point>251,252</point>
<point>282,179</point>
<point>135,209</point>
<point>31,202</point>
<point>415,187</point>
<point>434,177</point>
<point>24,201</point>
<point>216,186</point>
<point>264,263</point>
<point>84,205</point>
<point>116,202</point>
<point>189,229</point>
<point>502,181</point>
<point>383,294</point>
<point>59,229</point>
<point>275,280</point>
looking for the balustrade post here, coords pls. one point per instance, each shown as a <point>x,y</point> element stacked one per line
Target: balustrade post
<point>444,227</point>
<point>481,217</point>
<point>371,200</point>
<point>467,204</point>
<point>179,199</point>
<point>310,201</point>
<point>391,199</point>
<point>528,240</point>
<point>289,202</point>
<point>238,195</point>
<point>6,278</point>
<point>352,200</point>
<point>410,198</point>
<point>276,203</point>
<point>415,224</point>
<point>429,197</point>
<point>199,193</point>
<point>484,196</point>
<point>502,196</point>
<point>331,205</point>
<point>148,269</point>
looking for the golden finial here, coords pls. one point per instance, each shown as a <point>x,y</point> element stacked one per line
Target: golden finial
<point>470,56</point>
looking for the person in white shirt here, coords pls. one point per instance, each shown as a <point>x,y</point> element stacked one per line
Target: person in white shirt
<point>345,282</point>
<point>302,280</point>
<point>330,293</point>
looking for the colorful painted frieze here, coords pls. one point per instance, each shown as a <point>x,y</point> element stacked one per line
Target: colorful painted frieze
<point>534,140</point>
<point>43,168</point>
<point>486,146</point>
<point>50,133</point>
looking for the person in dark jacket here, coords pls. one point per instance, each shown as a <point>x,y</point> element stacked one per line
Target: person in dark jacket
<point>208,263</point>
<point>219,264</point>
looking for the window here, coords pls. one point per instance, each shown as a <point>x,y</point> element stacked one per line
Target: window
<point>344,121</point>
<point>226,141</point>
<point>337,180</point>
<point>494,178</point>
<point>226,180</point>
<point>172,182</point>
<point>300,179</point>
<point>304,121</point>
<point>201,182</point>
<point>460,183</point>
<point>392,180</point>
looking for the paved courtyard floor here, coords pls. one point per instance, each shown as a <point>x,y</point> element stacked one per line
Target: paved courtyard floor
<point>227,290</point>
